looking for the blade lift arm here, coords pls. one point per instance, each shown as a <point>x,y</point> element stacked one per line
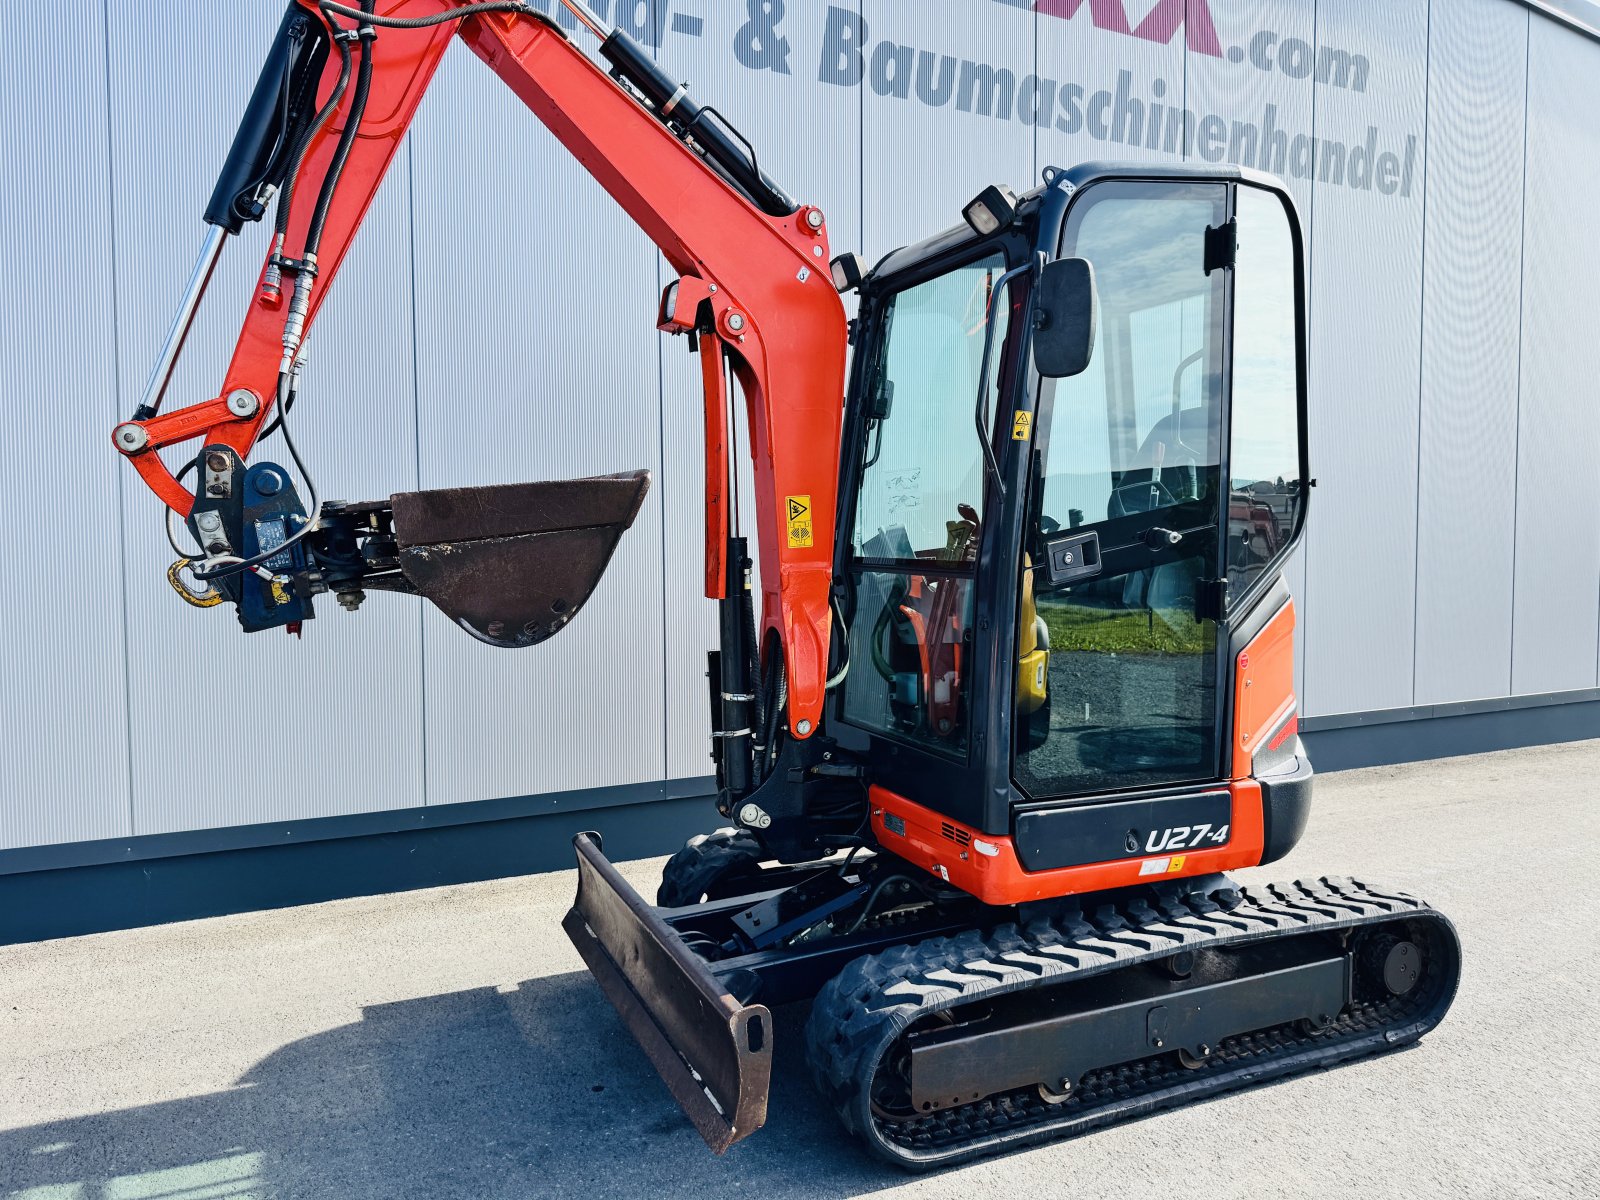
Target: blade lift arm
<point>333,105</point>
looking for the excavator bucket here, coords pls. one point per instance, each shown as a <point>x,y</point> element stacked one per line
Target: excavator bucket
<point>513,563</point>
<point>714,1053</point>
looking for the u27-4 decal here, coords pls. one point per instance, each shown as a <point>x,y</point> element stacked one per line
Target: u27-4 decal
<point>1185,837</point>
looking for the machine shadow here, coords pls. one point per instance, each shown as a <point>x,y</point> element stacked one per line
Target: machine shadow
<point>536,1091</point>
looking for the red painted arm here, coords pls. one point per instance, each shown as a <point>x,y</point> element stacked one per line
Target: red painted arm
<point>766,279</point>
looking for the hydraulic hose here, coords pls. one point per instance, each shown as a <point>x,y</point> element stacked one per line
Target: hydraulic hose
<point>347,136</point>
<point>286,196</point>
<point>455,14</point>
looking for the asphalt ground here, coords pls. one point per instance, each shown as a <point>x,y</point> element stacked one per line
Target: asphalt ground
<point>448,1044</point>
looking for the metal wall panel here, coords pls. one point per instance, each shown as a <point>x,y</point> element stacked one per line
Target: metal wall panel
<point>808,137</point>
<point>1472,293</point>
<point>536,359</point>
<point>933,135</point>
<point>262,708</point>
<point>1109,91</point>
<point>1366,284</point>
<point>472,290</point>
<point>1556,554</point>
<point>64,688</point>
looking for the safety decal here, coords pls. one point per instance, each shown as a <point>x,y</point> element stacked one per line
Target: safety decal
<point>800,532</point>
<point>1021,426</point>
<point>1162,866</point>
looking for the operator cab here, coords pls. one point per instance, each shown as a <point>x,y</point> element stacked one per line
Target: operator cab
<point>1074,467</point>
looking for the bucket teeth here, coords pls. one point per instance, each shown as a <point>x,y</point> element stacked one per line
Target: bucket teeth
<point>513,563</point>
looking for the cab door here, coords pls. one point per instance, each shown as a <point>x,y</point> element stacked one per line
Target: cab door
<point>1146,539</point>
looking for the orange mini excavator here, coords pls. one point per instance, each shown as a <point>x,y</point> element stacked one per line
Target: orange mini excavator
<point>1021,686</point>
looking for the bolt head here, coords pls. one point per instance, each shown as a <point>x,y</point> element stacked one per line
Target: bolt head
<point>269,483</point>
<point>131,437</point>
<point>804,728</point>
<point>814,218</point>
<point>242,403</point>
<point>735,321</point>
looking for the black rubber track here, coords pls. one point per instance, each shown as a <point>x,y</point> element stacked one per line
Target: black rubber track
<point>861,1012</point>
<point>711,865</point>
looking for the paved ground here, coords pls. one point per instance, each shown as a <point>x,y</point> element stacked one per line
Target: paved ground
<point>445,1044</point>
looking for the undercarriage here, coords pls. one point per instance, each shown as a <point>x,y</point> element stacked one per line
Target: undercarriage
<point>942,1029</point>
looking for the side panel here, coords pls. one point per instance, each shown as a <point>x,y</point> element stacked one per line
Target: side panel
<point>1557,555</point>
<point>1365,318</point>
<point>64,687</point>
<point>1472,294</point>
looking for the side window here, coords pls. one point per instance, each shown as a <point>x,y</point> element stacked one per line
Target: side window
<point>924,468</point>
<point>919,511</point>
<point>1265,476</point>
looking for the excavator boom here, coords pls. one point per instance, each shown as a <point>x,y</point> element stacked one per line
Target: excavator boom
<point>753,289</point>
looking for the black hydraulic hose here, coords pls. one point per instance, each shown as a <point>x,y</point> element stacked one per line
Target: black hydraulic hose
<point>347,136</point>
<point>455,14</point>
<point>286,196</point>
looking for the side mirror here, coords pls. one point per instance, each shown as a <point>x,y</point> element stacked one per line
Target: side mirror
<point>1063,338</point>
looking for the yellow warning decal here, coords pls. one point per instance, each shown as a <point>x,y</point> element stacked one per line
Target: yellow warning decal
<point>1176,864</point>
<point>1021,426</point>
<point>800,530</point>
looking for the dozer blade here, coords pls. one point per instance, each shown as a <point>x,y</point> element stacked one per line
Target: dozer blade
<point>513,564</point>
<point>714,1053</point>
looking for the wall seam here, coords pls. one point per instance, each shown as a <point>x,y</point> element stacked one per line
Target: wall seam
<point>416,429</point>
<point>1522,290</point>
<point>658,18</point>
<point>1422,341</point>
<point>1303,618</point>
<point>666,618</point>
<point>116,367</point>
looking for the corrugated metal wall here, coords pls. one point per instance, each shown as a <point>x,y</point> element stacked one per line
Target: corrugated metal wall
<point>494,323</point>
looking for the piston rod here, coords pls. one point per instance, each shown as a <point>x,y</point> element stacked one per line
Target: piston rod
<point>589,17</point>
<point>204,264</point>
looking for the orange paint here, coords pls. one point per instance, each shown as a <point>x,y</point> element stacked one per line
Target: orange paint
<point>1263,688</point>
<point>1000,879</point>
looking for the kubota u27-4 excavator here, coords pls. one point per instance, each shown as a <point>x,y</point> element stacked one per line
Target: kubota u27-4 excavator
<point>1019,688</point>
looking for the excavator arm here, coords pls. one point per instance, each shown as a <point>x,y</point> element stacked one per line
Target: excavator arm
<point>335,100</point>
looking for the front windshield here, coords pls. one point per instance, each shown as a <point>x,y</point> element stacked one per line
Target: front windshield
<point>1127,689</point>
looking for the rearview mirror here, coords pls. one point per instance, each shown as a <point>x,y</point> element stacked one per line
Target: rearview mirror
<point>1063,338</point>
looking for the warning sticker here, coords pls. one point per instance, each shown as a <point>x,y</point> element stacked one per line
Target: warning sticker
<point>799,513</point>
<point>1021,426</point>
<point>1154,866</point>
